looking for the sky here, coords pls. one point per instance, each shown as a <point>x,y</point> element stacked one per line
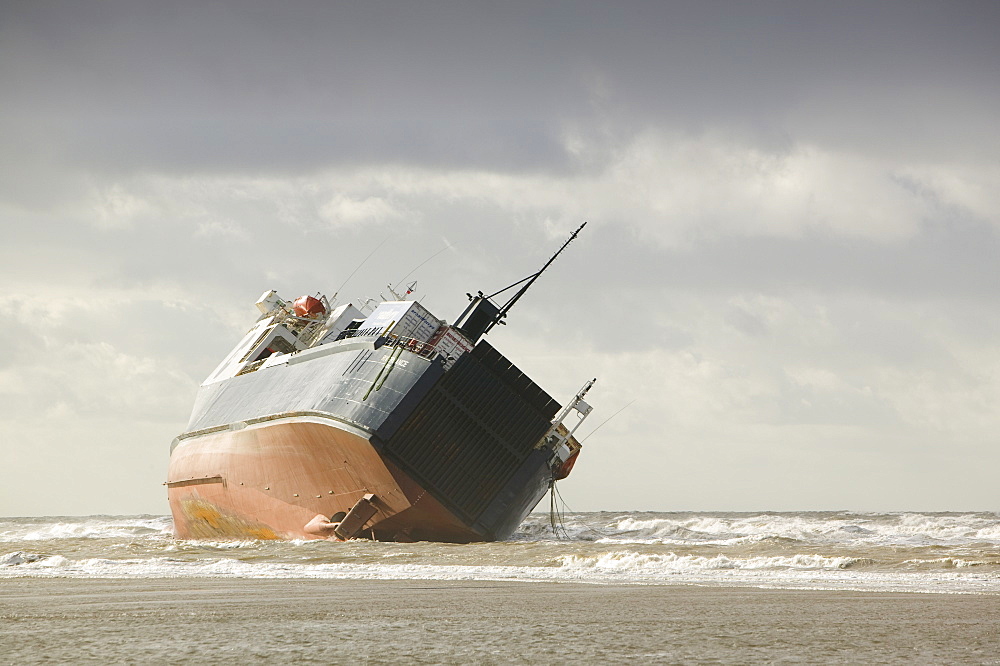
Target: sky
<point>788,287</point>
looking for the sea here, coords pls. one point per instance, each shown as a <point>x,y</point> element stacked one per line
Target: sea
<point>949,553</point>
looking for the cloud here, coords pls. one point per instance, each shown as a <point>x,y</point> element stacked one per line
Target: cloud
<point>968,190</point>
<point>80,380</point>
<point>790,261</point>
<point>343,210</point>
<point>232,87</point>
<point>687,189</point>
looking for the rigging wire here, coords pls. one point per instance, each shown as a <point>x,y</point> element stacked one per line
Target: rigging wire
<point>557,520</point>
<point>557,515</point>
<point>400,281</point>
<point>363,261</point>
<point>605,421</point>
<point>596,531</point>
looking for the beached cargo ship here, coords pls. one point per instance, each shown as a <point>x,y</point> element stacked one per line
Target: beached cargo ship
<point>325,422</point>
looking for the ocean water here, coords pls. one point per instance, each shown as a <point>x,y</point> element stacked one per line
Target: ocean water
<point>868,552</point>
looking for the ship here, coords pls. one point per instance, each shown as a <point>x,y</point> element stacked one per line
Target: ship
<point>325,422</point>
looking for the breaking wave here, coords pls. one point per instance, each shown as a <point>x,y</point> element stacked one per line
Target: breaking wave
<point>836,550</point>
<point>832,528</point>
<point>671,562</point>
<point>89,527</point>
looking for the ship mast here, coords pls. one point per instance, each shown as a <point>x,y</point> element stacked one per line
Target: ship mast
<point>482,314</point>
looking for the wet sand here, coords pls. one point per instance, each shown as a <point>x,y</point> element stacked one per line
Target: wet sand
<point>381,622</point>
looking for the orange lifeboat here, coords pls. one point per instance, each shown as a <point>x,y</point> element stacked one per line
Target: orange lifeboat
<point>307,306</point>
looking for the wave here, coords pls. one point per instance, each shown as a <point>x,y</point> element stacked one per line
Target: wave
<point>950,563</point>
<point>832,550</point>
<point>664,528</point>
<point>797,572</point>
<point>86,527</point>
<point>670,562</point>
<point>907,529</point>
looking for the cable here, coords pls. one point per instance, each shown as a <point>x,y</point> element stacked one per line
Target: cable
<point>556,495</point>
<point>363,261</point>
<point>605,421</point>
<point>446,247</point>
<point>556,519</point>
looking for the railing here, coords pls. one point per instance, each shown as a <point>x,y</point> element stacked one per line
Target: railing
<point>251,367</point>
<point>413,345</point>
<point>392,340</point>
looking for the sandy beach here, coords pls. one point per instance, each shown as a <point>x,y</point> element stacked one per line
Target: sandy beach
<point>351,621</point>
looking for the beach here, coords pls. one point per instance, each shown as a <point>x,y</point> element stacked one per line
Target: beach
<point>58,620</point>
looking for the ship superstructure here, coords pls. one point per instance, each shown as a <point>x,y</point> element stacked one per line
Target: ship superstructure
<point>325,422</point>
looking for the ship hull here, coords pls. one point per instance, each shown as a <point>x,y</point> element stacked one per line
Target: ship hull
<point>456,455</point>
<point>268,481</point>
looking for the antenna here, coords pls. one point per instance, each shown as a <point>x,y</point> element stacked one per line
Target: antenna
<point>409,290</point>
<point>366,303</point>
<point>482,314</point>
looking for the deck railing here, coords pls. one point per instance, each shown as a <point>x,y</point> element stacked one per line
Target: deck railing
<point>413,345</point>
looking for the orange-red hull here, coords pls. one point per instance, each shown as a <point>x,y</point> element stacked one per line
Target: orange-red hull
<point>269,480</point>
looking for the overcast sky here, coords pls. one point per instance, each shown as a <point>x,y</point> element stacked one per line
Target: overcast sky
<point>789,276</point>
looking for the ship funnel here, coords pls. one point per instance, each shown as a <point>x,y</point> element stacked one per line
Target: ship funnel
<point>478,317</point>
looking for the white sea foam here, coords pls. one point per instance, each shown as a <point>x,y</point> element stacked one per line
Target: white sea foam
<point>628,561</point>
<point>20,557</point>
<point>950,563</point>
<point>802,573</point>
<point>914,552</point>
<point>90,527</point>
<point>902,528</point>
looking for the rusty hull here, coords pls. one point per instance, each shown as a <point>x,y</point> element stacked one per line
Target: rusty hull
<point>269,480</point>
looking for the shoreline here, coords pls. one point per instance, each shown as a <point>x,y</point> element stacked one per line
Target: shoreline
<point>846,588</point>
<point>382,621</point>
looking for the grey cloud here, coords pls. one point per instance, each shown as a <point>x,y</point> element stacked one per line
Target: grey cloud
<point>949,259</point>
<point>165,163</point>
<point>253,85</point>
